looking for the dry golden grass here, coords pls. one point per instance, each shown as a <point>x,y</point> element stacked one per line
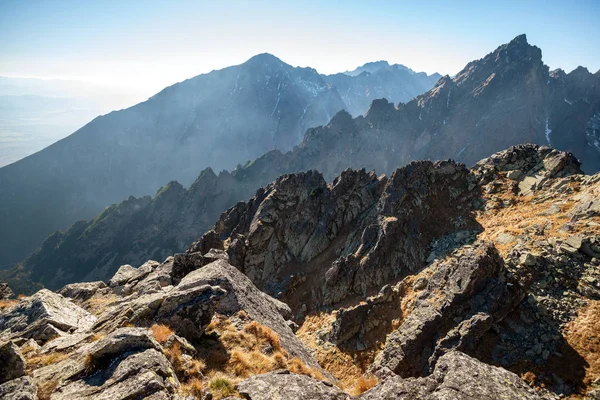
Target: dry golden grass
<point>186,369</point>
<point>583,335</point>
<point>192,387</point>
<point>97,336</point>
<point>524,215</point>
<point>4,304</point>
<point>161,333</point>
<point>346,367</point>
<point>100,303</point>
<point>363,384</point>
<point>254,349</point>
<point>41,360</point>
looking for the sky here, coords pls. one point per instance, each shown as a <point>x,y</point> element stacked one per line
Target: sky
<point>147,45</point>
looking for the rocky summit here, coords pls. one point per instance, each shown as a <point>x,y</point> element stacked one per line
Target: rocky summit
<point>436,282</point>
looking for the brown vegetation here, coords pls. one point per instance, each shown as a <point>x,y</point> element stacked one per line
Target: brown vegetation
<point>36,361</point>
<point>161,333</point>
<point>4,304</point>
<point>583,335</point>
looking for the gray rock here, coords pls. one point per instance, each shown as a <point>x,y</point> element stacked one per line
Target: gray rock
<point>184,263</point>
<point>514,174</point>
<point>23,388</point>
<point>147,374</point>
<point>128,274</point>
<point>43,316</point>
<point>124,274</point>
<point>456,377</point>
<point>81,291</point>
<point>65,342</point>
<point>123,340</point>
<point>189,308</point>
<point>527,259</point>
<point>13,364</point>
<point>284,385</point>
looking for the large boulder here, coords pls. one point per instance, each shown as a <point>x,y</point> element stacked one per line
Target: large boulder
<point>43,316</point>
<point>140,375</point>
<point>184,263</point>
<point>285,385</point>
<point>457,377</point>
<point>81,291</point>
<point>188,308</point>
<point>123,340</point>
<point>13,364</point>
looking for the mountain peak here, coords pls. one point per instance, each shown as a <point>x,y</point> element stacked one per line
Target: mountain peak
<point>264,58</point>
<point>521,39</point>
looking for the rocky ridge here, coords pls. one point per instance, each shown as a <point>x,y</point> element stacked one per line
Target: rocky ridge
<point>505,98</point>
<point>436,282</point>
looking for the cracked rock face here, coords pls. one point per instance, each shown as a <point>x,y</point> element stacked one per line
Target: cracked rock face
<point>380,229</point>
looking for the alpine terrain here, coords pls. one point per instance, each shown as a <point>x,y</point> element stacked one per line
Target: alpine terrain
<point>434,282</point>
<point>507,97</point>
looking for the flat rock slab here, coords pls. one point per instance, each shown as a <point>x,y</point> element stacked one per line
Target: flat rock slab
<point>43,316</point>
<point>456,377</point>
<point>287,386</point>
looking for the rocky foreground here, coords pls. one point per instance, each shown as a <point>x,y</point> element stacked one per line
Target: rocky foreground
<point>437,282</point>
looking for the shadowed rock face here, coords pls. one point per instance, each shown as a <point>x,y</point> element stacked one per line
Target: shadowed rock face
<point>316,244</point>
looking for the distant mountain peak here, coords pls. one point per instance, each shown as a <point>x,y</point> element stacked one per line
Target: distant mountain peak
<point>264,58</point>
<point>369,67</point>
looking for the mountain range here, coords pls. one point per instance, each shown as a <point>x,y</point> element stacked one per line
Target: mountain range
<point>507,97</point>
<point>220,119</point>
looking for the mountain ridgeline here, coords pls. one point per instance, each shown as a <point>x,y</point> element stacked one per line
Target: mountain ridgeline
<point>507,97</point>
<point>219,119</point>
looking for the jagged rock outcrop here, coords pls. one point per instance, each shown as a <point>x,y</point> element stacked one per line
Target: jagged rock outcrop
<point>443,282</point>
<point>456,376</point>
<point>370,230</point>
<point>284,385</point>
<point>44,316</point>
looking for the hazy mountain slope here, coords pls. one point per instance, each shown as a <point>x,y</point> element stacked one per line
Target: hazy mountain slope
<point>385,138</point>
<point>217,119</point>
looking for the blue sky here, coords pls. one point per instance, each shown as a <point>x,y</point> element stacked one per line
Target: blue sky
<point>150,44</point>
